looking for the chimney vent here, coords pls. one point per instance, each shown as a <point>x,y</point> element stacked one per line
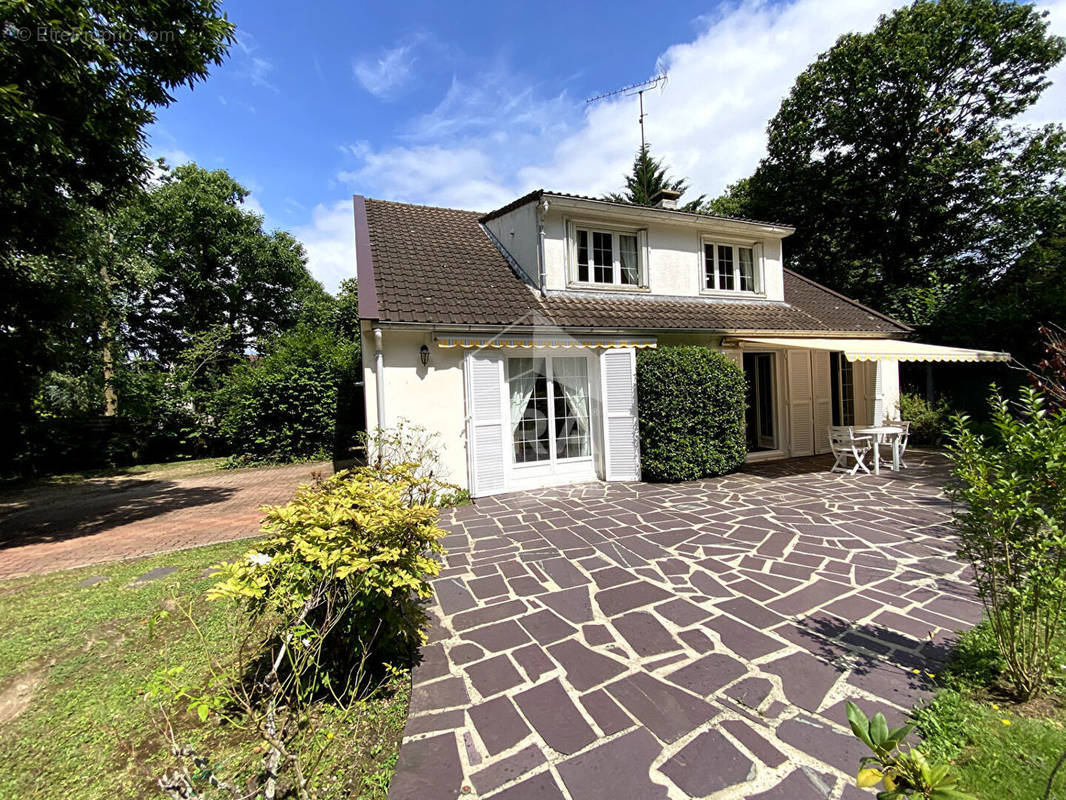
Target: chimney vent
<point>665,198</point>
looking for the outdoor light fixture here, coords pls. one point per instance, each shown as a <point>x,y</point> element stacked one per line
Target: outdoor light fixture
<point>423,354</point>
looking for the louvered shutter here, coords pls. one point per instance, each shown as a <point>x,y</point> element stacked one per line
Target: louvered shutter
<point>621,456</point>
<point>878,370</point>
<point>486,423</point>
<point>823,399</point>
<point>800,403</point>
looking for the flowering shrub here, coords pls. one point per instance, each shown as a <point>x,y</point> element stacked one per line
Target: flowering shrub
<point>357,549</point>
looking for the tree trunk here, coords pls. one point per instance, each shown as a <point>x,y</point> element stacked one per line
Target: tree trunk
<point>106,337</point>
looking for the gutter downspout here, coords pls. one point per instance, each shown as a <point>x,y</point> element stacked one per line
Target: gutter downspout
<point>379,377</point>
<point>542,269</point>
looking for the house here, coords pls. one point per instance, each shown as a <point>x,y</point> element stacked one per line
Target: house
<point>513,334</point>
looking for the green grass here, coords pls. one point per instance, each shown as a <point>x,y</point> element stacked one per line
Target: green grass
<point>87,731</point>
<point>1000,750</point>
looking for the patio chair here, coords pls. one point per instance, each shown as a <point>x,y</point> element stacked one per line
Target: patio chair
<point>845,444</point>
<point>903,437</point>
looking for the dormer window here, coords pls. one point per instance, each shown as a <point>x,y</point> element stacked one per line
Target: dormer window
<point>730,267</point>
<point>606,257</point>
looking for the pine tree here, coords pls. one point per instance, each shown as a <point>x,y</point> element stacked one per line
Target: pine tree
<point>649,175</point>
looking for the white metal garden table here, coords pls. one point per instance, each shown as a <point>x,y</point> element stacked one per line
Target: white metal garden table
<point>881,433</point>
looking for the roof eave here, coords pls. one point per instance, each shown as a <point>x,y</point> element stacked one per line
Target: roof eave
<point>364,262</point>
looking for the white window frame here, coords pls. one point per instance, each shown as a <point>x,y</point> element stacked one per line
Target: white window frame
<point>553,457</point>
<point>641,235</point>
<point>756,266</point>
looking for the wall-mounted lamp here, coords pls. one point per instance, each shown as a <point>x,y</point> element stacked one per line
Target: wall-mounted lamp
<point>423,354</point>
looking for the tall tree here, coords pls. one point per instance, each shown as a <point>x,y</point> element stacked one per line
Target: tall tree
<point>80,81</point>
<point>894,155</point>
<point>648,176</point>
<point>213,267</point>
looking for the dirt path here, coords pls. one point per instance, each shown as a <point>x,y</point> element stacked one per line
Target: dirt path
<point>54,527</point>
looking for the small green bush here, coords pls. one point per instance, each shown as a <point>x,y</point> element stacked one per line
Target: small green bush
<point>691,409</point>
<point>357,549</point>
<point>929,421</point>
<point>1010,514</point>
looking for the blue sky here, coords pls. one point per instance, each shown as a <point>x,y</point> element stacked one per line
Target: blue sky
<point>471,104</point>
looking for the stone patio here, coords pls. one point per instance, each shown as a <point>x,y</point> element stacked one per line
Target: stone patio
<point>633,641</point>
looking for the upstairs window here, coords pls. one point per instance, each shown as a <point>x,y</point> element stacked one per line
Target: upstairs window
<point>728,267</point>
<point>607,257</point>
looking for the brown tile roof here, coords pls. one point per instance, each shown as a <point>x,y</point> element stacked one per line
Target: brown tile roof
<point>438,266</point>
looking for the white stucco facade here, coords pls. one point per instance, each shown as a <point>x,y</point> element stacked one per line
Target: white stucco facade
<point>672,252</point>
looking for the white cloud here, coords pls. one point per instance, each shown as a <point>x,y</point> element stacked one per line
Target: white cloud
<point>252,67</point>
<point>384,75</point>
<point>329,239</point>
<point>496,135</point>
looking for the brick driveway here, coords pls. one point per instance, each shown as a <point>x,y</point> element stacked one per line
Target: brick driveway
<point>632,641</point>
<point>114,518</point>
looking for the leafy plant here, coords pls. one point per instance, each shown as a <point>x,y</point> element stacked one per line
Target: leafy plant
<point>929,421</point>
<point>284,405</point>
<point>407,445</point>
<point>902,770</point>
<point>1010,509</point>
<point>359,541</point>
<point>690,402</point>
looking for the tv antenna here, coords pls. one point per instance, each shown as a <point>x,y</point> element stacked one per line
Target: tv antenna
<point>635,89</point>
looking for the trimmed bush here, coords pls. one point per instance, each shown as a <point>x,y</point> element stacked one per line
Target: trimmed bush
<point>691,409</point>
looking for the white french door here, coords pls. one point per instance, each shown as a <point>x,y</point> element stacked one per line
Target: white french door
<point>550,419</point>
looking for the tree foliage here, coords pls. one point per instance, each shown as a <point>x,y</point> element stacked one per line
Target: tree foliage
<point>212,264</point>
<point>289,402</point>
<point>894,156</point>
<point>80,82</point>
<point>649,176</point>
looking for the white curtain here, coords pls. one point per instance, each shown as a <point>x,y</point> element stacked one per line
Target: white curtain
<point>521,380</point>
<point>627,254</point>
<point>572,375</point>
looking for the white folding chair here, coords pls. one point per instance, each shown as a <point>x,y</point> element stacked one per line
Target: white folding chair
<point>902,437</point>
<point>845,444</point>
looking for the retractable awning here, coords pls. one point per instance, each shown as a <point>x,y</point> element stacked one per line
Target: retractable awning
<point>878,349</point>
<point>534,341</point>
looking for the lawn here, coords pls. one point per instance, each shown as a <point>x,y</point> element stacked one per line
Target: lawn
<point>76,660</point>
<point>1001,750</point>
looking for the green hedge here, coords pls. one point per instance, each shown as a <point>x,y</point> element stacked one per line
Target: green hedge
<point>287,405</point>
<point>691,409</point>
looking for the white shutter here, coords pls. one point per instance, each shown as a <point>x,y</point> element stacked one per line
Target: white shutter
<point>621,456</point>
<point>878,370</point>
<point>800,403</point>
<point>486,423</point>
<point>823,399</point>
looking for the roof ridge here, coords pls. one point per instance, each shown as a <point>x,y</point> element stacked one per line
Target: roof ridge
<point>424,206</point>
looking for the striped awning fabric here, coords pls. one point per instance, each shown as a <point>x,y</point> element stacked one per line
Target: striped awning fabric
<point>533,341</point>
<point>879,349</point>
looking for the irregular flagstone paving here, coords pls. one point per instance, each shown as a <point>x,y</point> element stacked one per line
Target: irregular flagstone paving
<point>632,641</point>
